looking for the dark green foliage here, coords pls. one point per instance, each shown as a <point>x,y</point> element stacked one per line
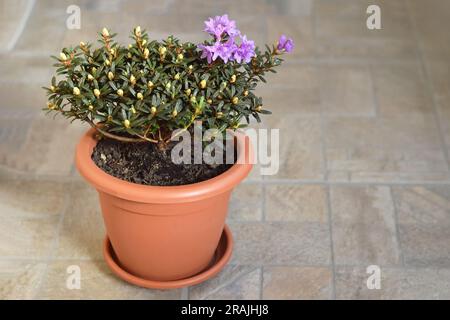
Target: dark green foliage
<point>147,90</point>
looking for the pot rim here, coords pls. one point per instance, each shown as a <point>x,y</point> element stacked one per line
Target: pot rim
<point>104,182</point>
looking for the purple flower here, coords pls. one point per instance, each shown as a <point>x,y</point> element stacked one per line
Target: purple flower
<point>218,49</point>
<point>207,52</point>
<point>245,51</point>
<point>286,44</point>
<point>219,25</point>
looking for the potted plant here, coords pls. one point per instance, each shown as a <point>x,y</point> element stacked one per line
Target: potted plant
<point>165,221</point>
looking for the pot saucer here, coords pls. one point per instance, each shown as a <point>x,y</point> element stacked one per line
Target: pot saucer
<point>221,257</point>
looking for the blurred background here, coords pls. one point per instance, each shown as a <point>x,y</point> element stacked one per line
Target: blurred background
<point>364,119</point>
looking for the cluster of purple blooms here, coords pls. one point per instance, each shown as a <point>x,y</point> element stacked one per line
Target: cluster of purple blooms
<point>227,48</point>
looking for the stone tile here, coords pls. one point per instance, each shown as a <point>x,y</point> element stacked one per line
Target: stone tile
<point>289,75</point>
<point>44,30</point>
<point>235,282</point>
<point>82,232</point>
<point>296,203</point>
<point>429,18</point>
<point>341,31</point>
<point>48,149</point>
<point>424,227</point>
<point>346,91</point>
<point>297,283</point>
<point>439,74</point>
<point>17,69</point>
<point>300,150</point>
<point>27,237</point>
<point>425,245</point>
<point>11,14</point>
<point>396,148</point>
<point>396,284</point>
<point>300,29</point>
<point>364,230</point>
<point>304,101</point>
<point>401,90</point>
<point>193,7</point>
<point>20,280</point>
<point>422,204</point>
<point>97,282</point>
<point>30,97</point>
<point>275,243</point>
<point>154,7</point>
<point>31,198</point>
<point>246,203</point>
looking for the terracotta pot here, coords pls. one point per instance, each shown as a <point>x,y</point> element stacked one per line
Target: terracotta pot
<point>163,233</point>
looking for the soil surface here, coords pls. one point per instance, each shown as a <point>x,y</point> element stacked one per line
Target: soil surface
<point>144,163</point>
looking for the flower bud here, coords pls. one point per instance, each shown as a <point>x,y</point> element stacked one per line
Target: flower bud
<point>188,92</point>
<point>137,31</point>
<point>129,55</point>
<point>258,108</point>
<point>224,85</point>
<point>52,88</point>
<point>107,62</point>
<point>51,105</point>
<point>110,118</point>
<point>191,67</point>
<point>62,56</point>
<point>174,113</point>
<point>193,99</point>
<point>112,51</point>
<point>180,57</point>
<point>162,50</point>
<point>233,78</point>
<point>120,93</point>
<point>235,100</point>
<point>91,107</point>
<point>76,91</point>
<point>133,110</point>
<point>245,93</point>
<point>110,75</point>
<point>132,80</point>
<point>177,76</point>
<point>90,77</point>
<point>97,93</point>
<point>140,96</point>
<point>94,69</point>
<point>153,110</point>
<point>146,53</point>
<point>130,46</point>
<point>150,84</point>
<point>219,115</point>
<point>126,123</point>
<point>168,85</point>
<point>209,101</point>
<point>105,32</point>
<point>203,84</point>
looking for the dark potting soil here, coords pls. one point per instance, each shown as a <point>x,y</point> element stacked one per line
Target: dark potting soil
<point>144,163</point>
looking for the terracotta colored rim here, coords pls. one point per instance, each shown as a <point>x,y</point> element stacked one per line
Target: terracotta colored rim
<point>221,258</point>
<point>165,194</point>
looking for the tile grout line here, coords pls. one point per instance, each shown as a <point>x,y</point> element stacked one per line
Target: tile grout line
<point>397,232</point>
<point>325,166</point>
<point>261,283</point>
<point>376,103</point>
<point>429,87</point>
<point>330,228</point>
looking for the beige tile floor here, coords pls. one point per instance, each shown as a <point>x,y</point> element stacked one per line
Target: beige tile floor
<point>365,142</point>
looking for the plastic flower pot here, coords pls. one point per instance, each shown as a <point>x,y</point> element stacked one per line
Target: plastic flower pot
<point>163,233</point>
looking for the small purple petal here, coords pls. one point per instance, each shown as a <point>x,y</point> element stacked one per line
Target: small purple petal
<point>285,44</point>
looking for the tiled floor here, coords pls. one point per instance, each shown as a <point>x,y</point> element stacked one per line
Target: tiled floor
<point>364,120</point>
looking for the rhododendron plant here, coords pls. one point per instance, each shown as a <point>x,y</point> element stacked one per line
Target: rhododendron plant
<point>148,89</point>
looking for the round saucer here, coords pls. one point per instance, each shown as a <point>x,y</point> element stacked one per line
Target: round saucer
<point>221,257</point>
